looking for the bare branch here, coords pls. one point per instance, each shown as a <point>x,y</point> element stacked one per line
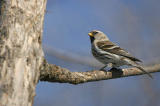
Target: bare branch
<point>53,73</point>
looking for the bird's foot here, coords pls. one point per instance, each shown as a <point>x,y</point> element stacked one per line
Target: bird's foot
<point>102,69</point>
<point>116,72</point>
<point>115,69</point>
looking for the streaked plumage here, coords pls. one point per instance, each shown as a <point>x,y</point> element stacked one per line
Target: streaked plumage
<point>114,49</point>
<point>107,52</point>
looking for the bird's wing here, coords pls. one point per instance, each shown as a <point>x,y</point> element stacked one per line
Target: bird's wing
<point>114,49</point>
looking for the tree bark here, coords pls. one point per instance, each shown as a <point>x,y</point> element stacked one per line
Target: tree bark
<point>53,73</point>
<point>21,55</point>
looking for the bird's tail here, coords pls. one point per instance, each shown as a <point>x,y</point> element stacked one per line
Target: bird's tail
<point>143,70</point>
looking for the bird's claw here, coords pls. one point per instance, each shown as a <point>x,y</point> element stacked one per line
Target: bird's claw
<point>115,69</point>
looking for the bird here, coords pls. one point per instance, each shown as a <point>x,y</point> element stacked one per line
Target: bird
<point>110,54</point>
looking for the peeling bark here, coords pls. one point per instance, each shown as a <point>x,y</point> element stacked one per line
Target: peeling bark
<point>21,26</point>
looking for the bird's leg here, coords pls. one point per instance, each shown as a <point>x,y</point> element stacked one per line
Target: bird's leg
<point>103,67</point>
<point>107,65</point>
<point>116,69</point>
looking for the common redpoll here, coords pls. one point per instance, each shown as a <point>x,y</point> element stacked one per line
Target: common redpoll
<point>109,53</point>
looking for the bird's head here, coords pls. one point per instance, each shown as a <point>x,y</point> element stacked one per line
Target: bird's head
<point>97,35</point>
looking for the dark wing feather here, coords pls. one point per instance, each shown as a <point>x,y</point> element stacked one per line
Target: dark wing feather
<point>114,49</point>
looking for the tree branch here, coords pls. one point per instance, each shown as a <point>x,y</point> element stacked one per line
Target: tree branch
<point>53,73</point>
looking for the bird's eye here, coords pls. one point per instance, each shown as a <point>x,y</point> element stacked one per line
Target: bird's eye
<point>94,33</point>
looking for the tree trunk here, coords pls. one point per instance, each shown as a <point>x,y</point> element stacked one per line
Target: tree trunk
<point>21,27</point>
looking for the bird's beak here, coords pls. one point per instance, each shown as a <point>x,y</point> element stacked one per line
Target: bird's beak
<point>90,34</point>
